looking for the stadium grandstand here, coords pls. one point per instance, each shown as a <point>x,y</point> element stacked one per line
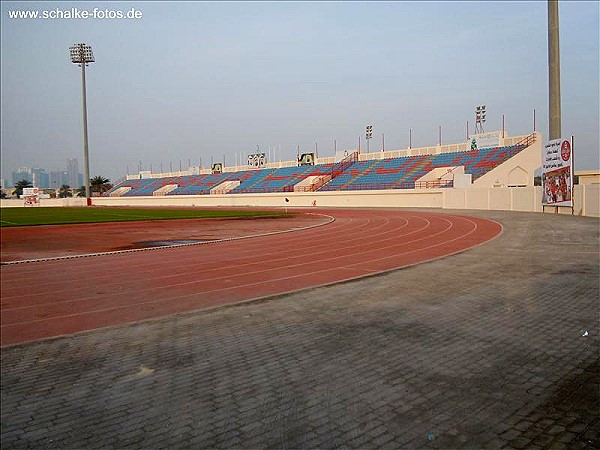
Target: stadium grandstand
<point>458,165</point>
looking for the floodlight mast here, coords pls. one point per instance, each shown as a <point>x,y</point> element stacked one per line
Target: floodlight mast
<point>368,135</point>
<point>554,125</point>
<point>479,118</point>
<point>82,54</point>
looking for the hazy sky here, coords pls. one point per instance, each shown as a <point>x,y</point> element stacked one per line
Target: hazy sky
<point>191,80</point>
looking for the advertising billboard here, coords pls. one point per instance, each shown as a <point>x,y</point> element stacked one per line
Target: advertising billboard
<point>557,173</point>
<point>257,160</point>
<point>31,196</point>
<point>306,159</point>
<point>485,140</point>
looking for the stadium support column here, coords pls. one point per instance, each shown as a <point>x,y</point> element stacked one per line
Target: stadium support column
<point>554,126</point>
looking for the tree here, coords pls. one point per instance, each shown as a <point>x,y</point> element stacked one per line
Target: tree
<point>65,191</point>
<point>100,184</point>
<point>20,185</point>
<point>81,191</point>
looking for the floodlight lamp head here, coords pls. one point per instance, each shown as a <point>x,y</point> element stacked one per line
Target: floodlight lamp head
<point>81,54</point>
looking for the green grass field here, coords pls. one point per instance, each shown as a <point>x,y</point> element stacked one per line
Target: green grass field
<point>13,217</point>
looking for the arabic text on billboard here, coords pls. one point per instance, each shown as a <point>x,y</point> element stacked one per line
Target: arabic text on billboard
<point>557,170</point>
<point>31,196</point>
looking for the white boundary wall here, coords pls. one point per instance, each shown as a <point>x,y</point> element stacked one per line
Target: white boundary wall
<point>527,199</point>
<point>18,203</point>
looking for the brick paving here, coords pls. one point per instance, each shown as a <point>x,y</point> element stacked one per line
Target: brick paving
<point>497,347</point>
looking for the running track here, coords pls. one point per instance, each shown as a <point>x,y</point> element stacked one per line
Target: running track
<point>53,298</point>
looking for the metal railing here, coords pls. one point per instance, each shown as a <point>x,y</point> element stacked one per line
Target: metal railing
<point>527,140</point>
<point>434,184</point>
<point>264,190</point>
<point>315,186</point>
<point>339,167</point>
<point>402,185</point>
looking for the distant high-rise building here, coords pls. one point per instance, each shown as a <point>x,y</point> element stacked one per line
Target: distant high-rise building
<point>73,172</point>
<point>64,178</point>
<point>22,174</point>
<point>55,181</point>
<point>40,178</point>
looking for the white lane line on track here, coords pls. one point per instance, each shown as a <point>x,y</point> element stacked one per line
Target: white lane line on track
<point>232,267</point>
<point>190,261</point>
<point>275,280</point>
<point>255,273</point>
<point>431,246</point>
<point>116,252</point>
<point>255,283</point>
<point>166,258</point>
<point>228,276</point>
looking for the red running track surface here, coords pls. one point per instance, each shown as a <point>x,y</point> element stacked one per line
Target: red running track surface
<point>53,298</point>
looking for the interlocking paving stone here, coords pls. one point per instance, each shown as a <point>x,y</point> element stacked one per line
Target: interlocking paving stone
<point>484,349</point>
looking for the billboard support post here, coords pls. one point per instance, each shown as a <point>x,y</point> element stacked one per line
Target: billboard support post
<point>572,175</point>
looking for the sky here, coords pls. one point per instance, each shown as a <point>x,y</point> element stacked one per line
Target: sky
<point>202,81</point>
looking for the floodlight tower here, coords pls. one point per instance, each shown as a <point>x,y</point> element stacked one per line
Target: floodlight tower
<point>479,118</point>
<point>368,135</point>
<point>82,54</point>
<point>553,71</point>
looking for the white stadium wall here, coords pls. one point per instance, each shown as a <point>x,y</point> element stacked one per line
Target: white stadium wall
<point>526,199</point>
<point>19,203</point>
<point>516,171</point>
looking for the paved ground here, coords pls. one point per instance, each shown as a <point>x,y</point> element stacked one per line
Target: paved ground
<point>495,347</point>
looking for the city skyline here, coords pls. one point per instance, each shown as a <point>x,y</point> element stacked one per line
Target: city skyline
<point>207,81</point>
<point>45,178</point>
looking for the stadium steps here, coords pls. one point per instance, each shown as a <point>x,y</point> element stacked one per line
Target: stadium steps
<point>120,191</point>
<point>412,172</point>
<point>253,185</point>
<point>225,187</point>
<point>369,169</point>
<point>312,183</point>
<point>165,189</point>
